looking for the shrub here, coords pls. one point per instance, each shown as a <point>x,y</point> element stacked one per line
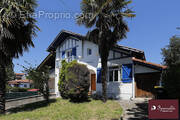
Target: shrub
<point>18,89</point>
<point>62,84</point>
<point>76,81</point>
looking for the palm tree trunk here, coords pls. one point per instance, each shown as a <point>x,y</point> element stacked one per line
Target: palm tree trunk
<point>103,78</point>
<point>2,89</point>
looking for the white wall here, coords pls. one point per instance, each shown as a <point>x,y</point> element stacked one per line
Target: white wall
<point>22,85</point>
<point>117,90</point>
<point>12,85</point>
<point>52,73</point>
<point>90,60</point>
<point>23,77</point>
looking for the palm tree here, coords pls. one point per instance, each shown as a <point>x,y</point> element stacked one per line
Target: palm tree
<point>17,27</point>
<point>106,17</point>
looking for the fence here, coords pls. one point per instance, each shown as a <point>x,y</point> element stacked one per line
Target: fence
<point>15,95</point>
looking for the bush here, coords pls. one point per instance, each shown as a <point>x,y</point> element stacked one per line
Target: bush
<point>17,89</point>
<point>62,84</point>
<point>8,88</point>
<point>76,81</point>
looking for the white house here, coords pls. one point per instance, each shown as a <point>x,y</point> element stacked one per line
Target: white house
<point>20,76</point>
<point>20,83</point>
<point>129,74</point>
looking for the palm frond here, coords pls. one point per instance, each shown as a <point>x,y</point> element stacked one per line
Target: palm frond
<point>16,33</point>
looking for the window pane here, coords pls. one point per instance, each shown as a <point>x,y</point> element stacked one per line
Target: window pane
<point>116,75</point>
<point>110,76</point>
<point>69,53</point>
<point>89,51</point>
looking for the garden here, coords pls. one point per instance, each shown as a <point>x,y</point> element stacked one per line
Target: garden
<point>60,109</point>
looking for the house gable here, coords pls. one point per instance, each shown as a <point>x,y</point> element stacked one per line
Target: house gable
<point>63,35</point>
<point>68,43</point>
<point>67,39</point>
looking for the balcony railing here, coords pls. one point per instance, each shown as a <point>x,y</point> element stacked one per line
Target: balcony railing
<point>71,58</point>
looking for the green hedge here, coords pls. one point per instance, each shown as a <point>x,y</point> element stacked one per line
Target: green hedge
<point>17,89</point>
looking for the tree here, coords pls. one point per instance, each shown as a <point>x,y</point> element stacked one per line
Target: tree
<point>171,58</point>
<point>40,78</point>
<point>107,19</point>
<point>10,75</point>
<point>17,28</point>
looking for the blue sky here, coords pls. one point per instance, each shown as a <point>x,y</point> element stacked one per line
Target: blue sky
<point>150,30</point>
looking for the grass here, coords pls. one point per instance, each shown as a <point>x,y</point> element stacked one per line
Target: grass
<point>64,110</point>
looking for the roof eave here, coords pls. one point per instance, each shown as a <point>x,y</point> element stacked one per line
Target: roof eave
<point>53,46</point>
<point>151,65</point>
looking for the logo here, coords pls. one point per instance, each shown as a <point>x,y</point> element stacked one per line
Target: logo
<point>163,109</point>
<point>153,108</point>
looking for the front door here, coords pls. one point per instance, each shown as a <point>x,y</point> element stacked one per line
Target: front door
<point>93,82</point>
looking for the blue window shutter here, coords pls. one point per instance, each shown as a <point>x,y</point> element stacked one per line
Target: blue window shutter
<point>127,73</point>
<point>74,51</point>
<point>63,55</point>
<point>99,75</point>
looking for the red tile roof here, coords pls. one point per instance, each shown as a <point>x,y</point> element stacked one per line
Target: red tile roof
<point>19,81</point>
<point>20,73</point>
<point>149,63</point>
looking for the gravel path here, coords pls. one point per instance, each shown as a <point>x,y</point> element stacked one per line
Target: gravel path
<point>135,110</point>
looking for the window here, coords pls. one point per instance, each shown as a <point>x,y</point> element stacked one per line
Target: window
<point>74,51</point>
<point>63,55</point>
<point>114,75</point>
<point>99,75</point>
<point>25,86</point>
<point>69,53</point>
<point>89,51</point>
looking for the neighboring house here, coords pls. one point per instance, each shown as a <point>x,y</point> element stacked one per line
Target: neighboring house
<point>20,76</point>
<point>20,83</point>
<point>50,61</point>
<point>129,74</point>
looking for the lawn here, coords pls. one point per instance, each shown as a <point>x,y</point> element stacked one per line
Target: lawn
<point>60,109</point>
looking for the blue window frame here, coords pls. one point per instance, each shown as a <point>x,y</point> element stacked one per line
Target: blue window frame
<point>99,75</point>
<point>63,55</point>
<point>74,51</point>
<point>127,73</point>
